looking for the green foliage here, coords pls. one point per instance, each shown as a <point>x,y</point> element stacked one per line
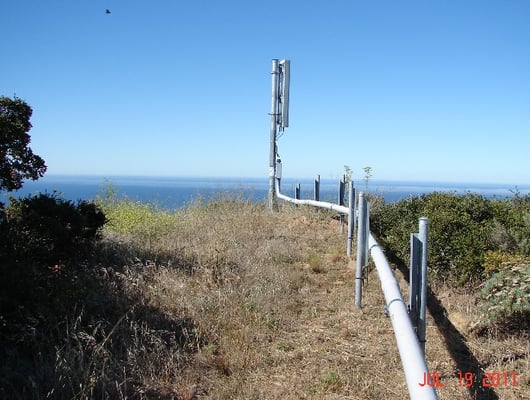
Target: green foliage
<point>495,261</point>
<point>145,227</point>
<point>511,233</point>
<point>462,229</point>
<point>17,161</point>
<point>329,380</point>
<point>505,300</point>
<point>315,263</point>
<point>136,219</point>
<point>47,229</point>
<point>43,241</point>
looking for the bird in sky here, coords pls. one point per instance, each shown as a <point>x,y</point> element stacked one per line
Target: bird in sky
<point>107,11</point>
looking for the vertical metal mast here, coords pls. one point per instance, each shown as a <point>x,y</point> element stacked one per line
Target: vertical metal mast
<point>272,153</point>
<point>279,119</point>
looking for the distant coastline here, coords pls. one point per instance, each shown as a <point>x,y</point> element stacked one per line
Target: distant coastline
<point>177,192</point>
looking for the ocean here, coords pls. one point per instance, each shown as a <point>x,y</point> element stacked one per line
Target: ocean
<point>178,192</point>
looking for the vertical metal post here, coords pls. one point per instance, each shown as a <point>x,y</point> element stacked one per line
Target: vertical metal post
<point>341,192</point>
<point>362,244</point>
<point>366,228</point>
<point>414,277</point>
<point>316,191</point>
<point>423,236</point>
<point>273,131</point>
<point>356,212</point>
<point>351,219</point>
<point>340,201</point>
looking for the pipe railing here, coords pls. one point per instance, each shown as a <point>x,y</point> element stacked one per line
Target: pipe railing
<point>315,203</point>
<point>410,349</point>
<point>350,210</point>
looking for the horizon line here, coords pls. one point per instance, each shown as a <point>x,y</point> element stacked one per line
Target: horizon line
<point>289,179</point>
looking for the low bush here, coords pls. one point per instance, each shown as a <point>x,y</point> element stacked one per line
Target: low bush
<point>495,261</point>
<point>505,302</point>
<point>127,216</point>
<point>462,229</point>
<point>47,229</point>
<point>44,240</point>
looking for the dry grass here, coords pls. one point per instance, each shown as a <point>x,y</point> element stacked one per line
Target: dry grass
<point>274,299</point>
<point>232,302</point>
<point>452,348</point>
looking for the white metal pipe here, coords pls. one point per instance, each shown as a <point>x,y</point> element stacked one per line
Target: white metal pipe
<point>321,204</point>
<point>410,352</point>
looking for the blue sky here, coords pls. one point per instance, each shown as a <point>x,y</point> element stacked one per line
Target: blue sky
<point>418,90</point>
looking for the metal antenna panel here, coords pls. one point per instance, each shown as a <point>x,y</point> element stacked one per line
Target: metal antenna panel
<point>285,67</point>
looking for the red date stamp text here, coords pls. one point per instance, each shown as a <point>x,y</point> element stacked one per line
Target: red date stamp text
<point>469,379</point>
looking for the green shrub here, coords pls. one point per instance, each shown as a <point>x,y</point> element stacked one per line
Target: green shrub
<point>44,240</point>
<point>495,261</point>
<point>126,216</point>
<point>462,229</point>
<point>511,232</point>
<point>505,302</point>
<point>47,229</point>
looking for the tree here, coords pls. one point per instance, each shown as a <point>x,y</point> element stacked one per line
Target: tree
<point>17,161</point>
